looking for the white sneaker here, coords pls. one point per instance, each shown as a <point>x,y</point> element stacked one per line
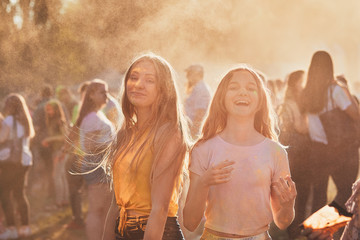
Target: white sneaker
<point>9,233</point>
<point>25,231</point>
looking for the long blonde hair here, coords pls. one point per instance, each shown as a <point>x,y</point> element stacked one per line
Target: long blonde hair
<point>265,118</point>
<point>167,119</point>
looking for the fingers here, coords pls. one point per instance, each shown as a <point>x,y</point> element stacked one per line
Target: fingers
<point>291,183</point>
<point>224,164</point>
<point>220,173</point>
<point>285,189</point>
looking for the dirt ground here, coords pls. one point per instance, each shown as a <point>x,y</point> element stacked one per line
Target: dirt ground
<point>49,223</point>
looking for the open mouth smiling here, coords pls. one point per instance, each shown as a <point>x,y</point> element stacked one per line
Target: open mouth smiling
<point>242,103</point>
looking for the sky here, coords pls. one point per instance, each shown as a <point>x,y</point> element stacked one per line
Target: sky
<point>276,37</point>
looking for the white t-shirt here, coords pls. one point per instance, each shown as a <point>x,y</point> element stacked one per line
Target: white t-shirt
<point>242,205</point>
<point>96,121</point>
<point>27,155</point>
<point>340,100</point>
<point>199,98</point>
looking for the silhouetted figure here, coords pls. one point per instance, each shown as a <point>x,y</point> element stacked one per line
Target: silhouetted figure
<point>321,95</point>
<point>43,154</point>
<point>198,98</point>
<point>294,135</point>
<point>13,175</point>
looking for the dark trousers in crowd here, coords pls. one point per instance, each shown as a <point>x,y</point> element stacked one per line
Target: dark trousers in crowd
<point>46,157</point>
<point>13,178</point>
<point>298,155</point>
<point>341,164</point>
<point>76,183</point>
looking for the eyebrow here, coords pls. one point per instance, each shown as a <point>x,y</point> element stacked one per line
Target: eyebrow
<point>146,74</point>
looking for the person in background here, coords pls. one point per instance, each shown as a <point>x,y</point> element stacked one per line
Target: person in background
<point>43,154</point>
<point>113,111</point>
<point>67,101</point>
<point>75,181</point>
<point>148,155</point>
<point>198,98</point>
<point>320,95</point>
<point>13,177</point>
<point>57,126</point>
<point>239,173</point>
<point>294,135</point>
<point>95,132</point>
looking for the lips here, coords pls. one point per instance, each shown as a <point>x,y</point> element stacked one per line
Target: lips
<point>242,103</point>
<point>137,94</point>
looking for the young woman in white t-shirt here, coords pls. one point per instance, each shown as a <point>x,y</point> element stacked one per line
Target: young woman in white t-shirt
<point>13,175</point>
<point>96,131</point>
<point>239,173</point>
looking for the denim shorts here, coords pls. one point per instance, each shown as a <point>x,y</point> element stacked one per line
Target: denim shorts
<point>209,236</point>
<point>135,229</point>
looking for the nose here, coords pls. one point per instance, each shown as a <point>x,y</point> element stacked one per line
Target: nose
<point>139,83</point>
<point>242,92</point>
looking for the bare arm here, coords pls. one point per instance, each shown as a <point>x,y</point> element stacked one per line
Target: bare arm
<point>110,222</point>
<point>283,194</point>
<point>4,132</point>
<point>198,192</point>
<point>195,203</point>
<point>353,109</point>
<point>162,189</point>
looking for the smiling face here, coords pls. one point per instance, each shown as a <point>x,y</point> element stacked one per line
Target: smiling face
<point>141,86</point>
<point>242,98</point>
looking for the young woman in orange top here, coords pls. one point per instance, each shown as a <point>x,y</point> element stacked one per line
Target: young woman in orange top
<point>148,156</point>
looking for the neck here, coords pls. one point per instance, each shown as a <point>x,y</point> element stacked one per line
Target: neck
<point>241,131</point>
<point>142,116</point>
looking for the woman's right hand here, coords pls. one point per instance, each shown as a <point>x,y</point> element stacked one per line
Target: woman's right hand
<point>218,174</point>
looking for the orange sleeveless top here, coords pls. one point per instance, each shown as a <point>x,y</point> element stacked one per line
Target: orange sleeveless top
<point>133,188</point>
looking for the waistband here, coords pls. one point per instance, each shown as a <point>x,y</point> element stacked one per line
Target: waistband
<point>209,236</point>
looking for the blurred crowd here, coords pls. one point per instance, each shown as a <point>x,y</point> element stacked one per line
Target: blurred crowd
<point>60,137</point>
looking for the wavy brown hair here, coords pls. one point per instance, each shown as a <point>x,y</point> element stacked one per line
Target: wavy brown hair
<point>167,119</point>
<point>265,118</point>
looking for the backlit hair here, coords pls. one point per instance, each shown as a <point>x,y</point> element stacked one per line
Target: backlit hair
<point>265,118</point>
<point>320,76</point>
<point>167,119</point>
<point>87,104</point>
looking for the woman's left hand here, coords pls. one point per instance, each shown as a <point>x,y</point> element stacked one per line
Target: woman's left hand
<point>285,191</point>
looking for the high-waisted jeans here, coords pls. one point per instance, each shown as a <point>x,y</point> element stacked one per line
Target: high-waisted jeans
<point>210,236</point>
<point>135,229</point>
